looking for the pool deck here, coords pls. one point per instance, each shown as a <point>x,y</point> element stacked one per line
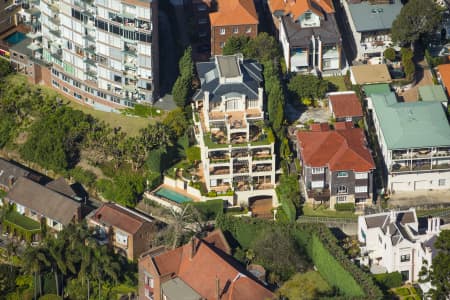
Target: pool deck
<point>180,191</point>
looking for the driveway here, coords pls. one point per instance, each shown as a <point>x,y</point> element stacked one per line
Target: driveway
<point>423,77</point>
<point>303,115</point>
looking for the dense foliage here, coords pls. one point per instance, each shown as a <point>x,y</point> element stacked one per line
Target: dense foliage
<point>389,54</point>
<point>417,19</point>
<point>182,89</point>
<point>440,269</point>
<point>389,280</point>
<point>308,88</point>
<point>344,207</point>
<point>288,192</point>
<point>408,63</point>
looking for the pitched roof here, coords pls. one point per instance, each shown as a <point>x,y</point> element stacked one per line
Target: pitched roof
<point>205,268</point>
<point>378,88</point>
<point>367,16</point>
<point>61,186</point>
<point>338,149</point>
<point>112,214</point>
<point>296,8</point>
<point>345,104</point>
<point>234,12</point>
<point>368,74</point>
<point>10,172</point>
<point>444,73</point>
<point>432,93</point>
<point>43,200</point>
<point>411,124</point>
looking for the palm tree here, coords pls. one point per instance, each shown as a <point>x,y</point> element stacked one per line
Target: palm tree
<point>55,248</point>
<point>34,260</point>
<point>103,267</point>
<point>11,251</point>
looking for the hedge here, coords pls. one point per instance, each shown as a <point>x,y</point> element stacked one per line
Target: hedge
<point>321,247</point>
<point>344,207</point>
<point>389,280</point>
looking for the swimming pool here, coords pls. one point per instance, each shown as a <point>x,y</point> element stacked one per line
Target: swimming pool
<point>15,38</point>
<point>172,195</point>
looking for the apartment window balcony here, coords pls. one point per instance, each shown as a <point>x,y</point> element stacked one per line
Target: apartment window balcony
<point>219,171</point>
<point>262,168</point>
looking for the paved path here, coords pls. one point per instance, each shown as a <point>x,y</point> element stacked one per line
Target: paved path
<point>424,77</point>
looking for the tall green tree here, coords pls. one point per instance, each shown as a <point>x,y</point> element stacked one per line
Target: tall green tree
<point>417,19</point>
<point>182,89</point>
<point>308,87</point>
<point>440,269</point>
<point>235,44</point>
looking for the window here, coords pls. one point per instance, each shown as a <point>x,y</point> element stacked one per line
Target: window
<point>222,31</point>
<point>347,119</point>
<point>341,199</point>
<point>249,30</point>
<point>308,16</point>
<point>20,208</point>
<point>65,89</point>
<point>441,182</point>
<point>361,175</point>
<point>55,83</point>
<point>342,174</point>
<point>405,257</point>
<point>235,30</point>
<point>202,21</point>
<point>342,189</point>
<point>405,275</point>
<point>317,170</point>
<point>222,44</point>
<point>121,238</point>
<point>317,184</point>
<point>360,189</point>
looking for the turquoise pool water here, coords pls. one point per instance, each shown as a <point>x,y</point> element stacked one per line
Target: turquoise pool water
<point>172,195</point>
<point>15,38</point>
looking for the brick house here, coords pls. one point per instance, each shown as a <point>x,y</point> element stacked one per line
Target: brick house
<point>337,165</point>
<point>231,18</point>
<point>127,231</point>
<point>201,269</point>
<point>345,106</point>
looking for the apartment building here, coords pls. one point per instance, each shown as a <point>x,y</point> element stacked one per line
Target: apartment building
<point>394,242</point>
<point>414,138</point>
<point>128,232</point>
<point>203,269</point>
<point>337,166</point>
<point>102,53</point>
<point>8,14</point>
<point>371,23</point>
<point>309,35</point>
<point>237,149</point>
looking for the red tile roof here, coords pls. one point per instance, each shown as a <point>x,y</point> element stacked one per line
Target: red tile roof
<point>319,127</point>
<point>338,149</point>
<point>202,270</point>
<point>298,7</point>
<point>234,12</point>
<point>217,239</point>
<point>345,105</point>
<point>444,73</point>
<point>115,215</point>
<point>343,125</point>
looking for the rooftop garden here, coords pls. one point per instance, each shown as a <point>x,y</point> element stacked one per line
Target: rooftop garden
<point>22,221</point>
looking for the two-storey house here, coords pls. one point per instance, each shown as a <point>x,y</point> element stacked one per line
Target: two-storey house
<point>371,22</point>
<point>36,204</point>
<point>203,269</point>
<point>9,173</point>
<point>231,18</point>
<point>128,232</point>
<point>336,164</point>
<point>394,242</point>
<point>414,139</point>
<point>237,149</point>
<point>309,35</point>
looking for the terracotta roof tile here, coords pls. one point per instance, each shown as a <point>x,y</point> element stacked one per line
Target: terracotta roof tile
<point>234,12</point>
<point>319,127</point>
<point>338,149</point>
<point>444,72</point>
<point>345,105</point>
<point>343,125</point>
<point>297,7</point>
<point>114,215</point>
<point>217,239</point>
<point>202,270</point>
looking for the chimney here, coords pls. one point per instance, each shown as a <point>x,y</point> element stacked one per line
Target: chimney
<point>217,288</point>
<point>193,248</point>
<point>429,228</point>
<point>393,215</point>
<point>437,225</point>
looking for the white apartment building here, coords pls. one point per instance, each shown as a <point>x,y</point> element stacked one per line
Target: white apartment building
<point>393,242</point>
<point>371,22</point>
<point>414,139</point>
<point>237,149</point>
<point>102,52</point>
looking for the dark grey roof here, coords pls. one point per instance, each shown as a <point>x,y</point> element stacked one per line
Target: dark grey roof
<point>61,186</point>
<point>228,66</point>
<point>369,17</point>
<point>375,221</point>
<point>43,200</point>
<point>10,172</point>
<point>210,80</point>
<point>22,47</point>
<point>301,37</point>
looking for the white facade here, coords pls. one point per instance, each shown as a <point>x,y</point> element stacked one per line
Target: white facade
<point>394,242</point>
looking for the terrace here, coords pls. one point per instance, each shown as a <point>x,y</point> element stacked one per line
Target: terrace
<point>420,153</point>
<point>21,226</point>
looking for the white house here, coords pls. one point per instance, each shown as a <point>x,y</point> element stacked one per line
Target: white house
<point>414,138</point>
<point>393,242</point>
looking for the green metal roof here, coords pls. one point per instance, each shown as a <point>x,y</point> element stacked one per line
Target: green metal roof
<point>411,124</point>
<point>380,88</point>
<point>432,93</point>
<point>370,17</point>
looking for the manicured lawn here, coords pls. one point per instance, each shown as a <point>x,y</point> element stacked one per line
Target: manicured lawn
<point>293,288</point>
<point>338,81</point>
<point>22,221</point>
<point>321,211</point>
<point>406,292</point>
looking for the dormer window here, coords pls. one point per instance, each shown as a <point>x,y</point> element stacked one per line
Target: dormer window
<point>308,15</point>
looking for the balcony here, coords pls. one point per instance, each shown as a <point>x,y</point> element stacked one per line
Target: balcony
<point>219,171</point>
<point>319,194</point>
<point>262,168</point>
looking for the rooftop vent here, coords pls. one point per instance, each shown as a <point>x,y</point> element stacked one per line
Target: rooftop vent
<point>377,10</point>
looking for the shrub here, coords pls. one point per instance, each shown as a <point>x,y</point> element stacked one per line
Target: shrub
<point>344,207</point>
<point>389,54</point>
<point>209,209</point>
<point>193,154</point>
<point>85,177</point>
<point>389,280</point>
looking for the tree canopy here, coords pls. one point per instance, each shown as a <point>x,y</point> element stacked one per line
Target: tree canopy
<point>308,88</point>
<point>182,89</point>
<point>440,270</point>
<point>417,19</point>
